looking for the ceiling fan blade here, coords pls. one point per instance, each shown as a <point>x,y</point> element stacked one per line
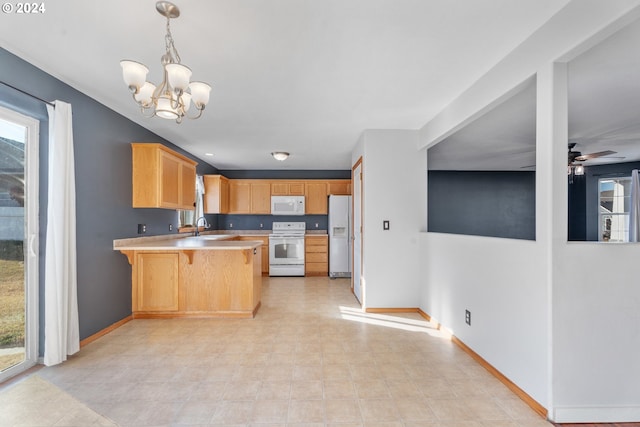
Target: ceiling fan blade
<point>594,155</point>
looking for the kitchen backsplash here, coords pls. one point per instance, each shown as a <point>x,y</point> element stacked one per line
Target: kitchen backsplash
<point>264,222</point>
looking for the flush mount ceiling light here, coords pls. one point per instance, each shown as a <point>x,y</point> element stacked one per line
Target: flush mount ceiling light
<point>169,100</point>
<point>280,155</point>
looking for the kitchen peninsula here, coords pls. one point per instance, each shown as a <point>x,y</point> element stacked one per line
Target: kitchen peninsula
<point>206,276</point>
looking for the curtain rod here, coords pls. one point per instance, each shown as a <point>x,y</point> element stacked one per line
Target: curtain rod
<point>28,94</point>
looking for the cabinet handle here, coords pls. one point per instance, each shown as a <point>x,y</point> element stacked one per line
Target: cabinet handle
<point>255,251</point>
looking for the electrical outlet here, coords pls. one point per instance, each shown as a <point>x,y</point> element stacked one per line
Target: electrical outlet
<point>467,317</point>
<point>170,227</point>
<point>261,225</point>
<point>142,228</point>
<point>317,225</point>
<point>230,225</point>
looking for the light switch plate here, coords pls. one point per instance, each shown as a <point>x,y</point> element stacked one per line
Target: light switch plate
<point>385,224</point>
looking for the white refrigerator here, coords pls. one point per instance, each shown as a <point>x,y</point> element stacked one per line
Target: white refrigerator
<point>339,236</point>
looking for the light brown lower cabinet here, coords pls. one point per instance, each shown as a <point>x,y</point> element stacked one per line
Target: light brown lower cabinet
<point>316,255</point>
<point>265,249</point>
<point>196,283</point>
<point>157,282</point>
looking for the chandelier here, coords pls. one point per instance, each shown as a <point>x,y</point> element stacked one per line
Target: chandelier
<point>173,97</point>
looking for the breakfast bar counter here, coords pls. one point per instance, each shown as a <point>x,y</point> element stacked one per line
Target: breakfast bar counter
<point>204,276</point>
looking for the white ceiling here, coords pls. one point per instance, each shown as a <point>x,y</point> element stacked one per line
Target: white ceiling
<point>604,114</point>
<point>304,76</point>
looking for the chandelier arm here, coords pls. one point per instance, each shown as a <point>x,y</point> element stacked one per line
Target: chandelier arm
<point>145,108</point>
<point>200,110</point>
<point>143,111</point>
<point>178,100</point>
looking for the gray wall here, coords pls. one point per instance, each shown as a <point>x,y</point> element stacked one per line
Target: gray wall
<point>103,189</point>
<point>495,204</point>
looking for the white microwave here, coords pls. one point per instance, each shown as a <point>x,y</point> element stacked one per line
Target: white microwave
<point>287,205</point>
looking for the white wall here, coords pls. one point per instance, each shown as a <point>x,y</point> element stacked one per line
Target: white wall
<point>577,26</point>
<point>560,320</point>
<point>499,281</point>
<point>393,189</point>
<point>596,311</point>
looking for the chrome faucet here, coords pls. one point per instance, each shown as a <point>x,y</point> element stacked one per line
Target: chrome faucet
<point>206,225</point>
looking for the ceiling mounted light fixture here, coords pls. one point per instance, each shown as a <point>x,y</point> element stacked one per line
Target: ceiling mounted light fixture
<point>169,100</point>
<point>280,155</point>
<point>574,170</point>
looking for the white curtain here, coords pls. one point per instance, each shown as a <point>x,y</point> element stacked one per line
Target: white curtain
<point>634,209</point>
<point>61,330</point>
<point>199,198</point>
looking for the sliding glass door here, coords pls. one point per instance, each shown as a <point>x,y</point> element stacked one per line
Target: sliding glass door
<point>19,136</point>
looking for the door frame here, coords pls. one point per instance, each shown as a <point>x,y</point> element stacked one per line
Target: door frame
<point>32,240</point>
<point>354,181</point>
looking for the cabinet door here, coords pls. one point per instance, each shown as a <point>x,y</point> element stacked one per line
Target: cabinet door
<point>187,186</point>
<point>157,281</point>
<point>216,194</point>
<point>296,188</point>
<point>279,188</point>
<point>287,188</point>
<point>239,197</point>
<point>340,187</point>
<point>316,255</point>
<point>265,259</point>
<point>224,196</point>
<point>169,183</point>
<point>260,197</point>
<point>316,198</point>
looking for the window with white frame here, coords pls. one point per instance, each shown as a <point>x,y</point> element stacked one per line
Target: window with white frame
<point>614,200</point>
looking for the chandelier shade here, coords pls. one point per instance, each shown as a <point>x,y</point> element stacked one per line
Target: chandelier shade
<point>172,98</point>
<point>145,94</point>
<point>200,93</point>
<point>134,73</point>
<point>178,76</point>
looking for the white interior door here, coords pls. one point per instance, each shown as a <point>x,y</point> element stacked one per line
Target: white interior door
<point>357,231</point>
<point>19,136</point>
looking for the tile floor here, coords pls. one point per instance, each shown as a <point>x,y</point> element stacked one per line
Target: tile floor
<point>309,358</point>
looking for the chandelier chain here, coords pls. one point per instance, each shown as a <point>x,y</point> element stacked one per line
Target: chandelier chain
<point>172,52</point>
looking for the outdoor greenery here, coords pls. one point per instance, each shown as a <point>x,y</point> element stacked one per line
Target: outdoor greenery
<point>11,303</point>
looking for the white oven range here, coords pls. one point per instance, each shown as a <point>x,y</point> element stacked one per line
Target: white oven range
<point>286,249</point>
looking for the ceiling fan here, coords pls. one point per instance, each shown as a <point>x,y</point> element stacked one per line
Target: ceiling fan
<point>574,167</point>
<point>577,156</point>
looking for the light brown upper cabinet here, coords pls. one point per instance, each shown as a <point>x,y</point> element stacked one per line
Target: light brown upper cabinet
<point>340,187</point>
<point>161,177</point>
<point>249,196</point>
<point>216,194</point>
<point>260,197</point>
<point>287,188</point>
<point>239,196</point>
<point>316,197</point>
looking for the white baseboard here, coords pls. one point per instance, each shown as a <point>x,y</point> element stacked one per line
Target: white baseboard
<point>595,414</point>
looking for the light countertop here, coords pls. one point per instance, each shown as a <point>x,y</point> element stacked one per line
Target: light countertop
<point>205,242</point>
<point>214,239</point>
